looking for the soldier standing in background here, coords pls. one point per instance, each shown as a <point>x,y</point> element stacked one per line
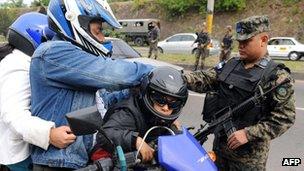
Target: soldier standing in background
<point>153,37</point>
<point>231,83</point>
<point>226,45</point>
<point>202,52</point>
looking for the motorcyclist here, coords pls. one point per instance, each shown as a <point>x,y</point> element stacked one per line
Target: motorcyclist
<point>18,127</point>
<point>66,72</point>
<point>162,95</point>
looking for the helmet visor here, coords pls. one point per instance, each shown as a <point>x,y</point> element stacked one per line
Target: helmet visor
<point>163,100</point>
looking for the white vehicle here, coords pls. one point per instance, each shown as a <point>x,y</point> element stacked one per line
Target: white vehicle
<point>182,43</point>
<point>285,47</point>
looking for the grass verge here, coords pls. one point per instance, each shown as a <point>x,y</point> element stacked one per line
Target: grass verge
<point>2,39</point>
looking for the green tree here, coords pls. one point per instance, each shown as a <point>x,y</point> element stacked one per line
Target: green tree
<point>4,22</point>
<point>37,3</point>
<point>117,0</point>
<point>7,16</point>
<point>230,5</point>
<point>179,7</point>
<point>13,4</point>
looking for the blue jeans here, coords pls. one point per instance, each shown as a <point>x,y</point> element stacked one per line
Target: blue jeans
<point>24,165</point>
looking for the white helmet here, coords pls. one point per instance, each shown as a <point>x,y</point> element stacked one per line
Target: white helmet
<point>71,18</point>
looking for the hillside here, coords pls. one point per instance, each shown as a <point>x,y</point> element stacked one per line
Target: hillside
<point>286,20</point>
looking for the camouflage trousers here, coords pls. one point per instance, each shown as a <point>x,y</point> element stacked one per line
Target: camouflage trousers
<point>251,156</point>
<point>153,50</point>
<point>225,164</point>
<point>201,54</point>
<point>225,54</point>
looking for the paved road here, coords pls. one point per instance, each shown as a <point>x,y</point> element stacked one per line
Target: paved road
<point>290,144</point>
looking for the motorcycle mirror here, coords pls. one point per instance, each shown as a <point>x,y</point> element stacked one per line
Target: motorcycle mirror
<point>84,121</point>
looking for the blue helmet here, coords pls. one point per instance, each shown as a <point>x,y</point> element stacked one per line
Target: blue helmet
<point>71,19</point>
<point>29,31</point>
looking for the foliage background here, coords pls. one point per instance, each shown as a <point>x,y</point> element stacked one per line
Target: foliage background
<point>11,9</point>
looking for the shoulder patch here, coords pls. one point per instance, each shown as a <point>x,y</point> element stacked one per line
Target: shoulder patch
<point>282,91</point>
<point>264,62</point>
<point>219,66</point>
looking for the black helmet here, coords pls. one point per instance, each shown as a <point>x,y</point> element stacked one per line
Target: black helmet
<point>164,81</point>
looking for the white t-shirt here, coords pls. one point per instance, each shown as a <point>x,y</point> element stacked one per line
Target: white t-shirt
<point>18,127</point>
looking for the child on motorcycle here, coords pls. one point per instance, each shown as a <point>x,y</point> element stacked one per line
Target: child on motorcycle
<point>162,95</point>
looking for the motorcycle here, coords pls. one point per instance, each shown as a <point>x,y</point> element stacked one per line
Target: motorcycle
<point>179,152</point>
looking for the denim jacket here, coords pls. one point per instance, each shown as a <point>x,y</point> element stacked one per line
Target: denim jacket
<point>64,78</point>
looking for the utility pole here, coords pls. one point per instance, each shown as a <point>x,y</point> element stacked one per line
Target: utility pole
<point>210,8</point>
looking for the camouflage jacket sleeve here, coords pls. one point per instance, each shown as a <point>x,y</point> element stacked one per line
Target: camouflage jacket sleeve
<point>201,81</point>
<point>282,117</point>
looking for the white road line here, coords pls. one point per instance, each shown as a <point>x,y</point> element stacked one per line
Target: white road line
<point>301,81</point>
<point>196,94</point>
<point>300,108</point>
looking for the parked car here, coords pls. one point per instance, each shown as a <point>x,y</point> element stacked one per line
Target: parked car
<point>122,50</point>
<point>182,43</point>
<point>136,30</point>
<point>285,47</point>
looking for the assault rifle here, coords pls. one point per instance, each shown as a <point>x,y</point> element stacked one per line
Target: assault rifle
<point>224,117</point>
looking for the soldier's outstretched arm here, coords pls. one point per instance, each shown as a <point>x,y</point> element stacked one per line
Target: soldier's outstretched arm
<point>281,117</point>
<point>201,81</point>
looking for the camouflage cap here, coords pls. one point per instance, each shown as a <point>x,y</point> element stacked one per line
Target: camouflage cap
<point>249,27</point>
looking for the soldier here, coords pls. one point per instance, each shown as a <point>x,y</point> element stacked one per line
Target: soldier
<point>235,81</point>
<point>202,52</point>
<point>153,36</point>
<point>226,45</point>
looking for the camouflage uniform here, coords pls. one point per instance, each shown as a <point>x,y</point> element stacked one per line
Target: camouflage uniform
<point>202,51</point>
<point>226,46</point>
<point>277,121</point>
<point>153,36</point>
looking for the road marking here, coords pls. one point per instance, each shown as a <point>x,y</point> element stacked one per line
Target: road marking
<point>300,108</point>
<point>196,94</point>
<point>301,81</point>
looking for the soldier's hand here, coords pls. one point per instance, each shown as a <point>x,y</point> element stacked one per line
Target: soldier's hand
<point>237,139</point>
<point>61,137</point>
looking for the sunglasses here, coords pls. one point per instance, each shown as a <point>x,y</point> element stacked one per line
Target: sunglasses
<point>162,100</point>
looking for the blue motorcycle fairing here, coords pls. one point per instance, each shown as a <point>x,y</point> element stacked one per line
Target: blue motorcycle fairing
<point>183,153</point>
